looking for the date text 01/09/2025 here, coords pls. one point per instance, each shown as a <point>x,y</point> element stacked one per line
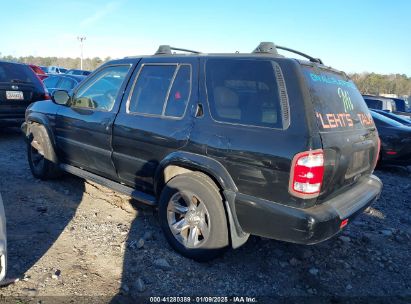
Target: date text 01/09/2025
<point>205,299</point>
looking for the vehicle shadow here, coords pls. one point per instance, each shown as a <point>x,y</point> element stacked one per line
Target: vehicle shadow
<point>37,211</point>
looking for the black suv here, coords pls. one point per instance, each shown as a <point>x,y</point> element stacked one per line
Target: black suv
<point>19,87</point>
<point>226,145</point>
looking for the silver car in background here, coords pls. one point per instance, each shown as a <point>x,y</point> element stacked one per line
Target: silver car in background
<point>3,242</point>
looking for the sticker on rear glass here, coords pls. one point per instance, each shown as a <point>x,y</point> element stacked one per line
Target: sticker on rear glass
<point>331,80</point>
<point>346,100</point>
<point>344,120</point>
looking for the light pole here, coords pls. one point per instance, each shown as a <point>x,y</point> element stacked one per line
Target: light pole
<point>81,39</point>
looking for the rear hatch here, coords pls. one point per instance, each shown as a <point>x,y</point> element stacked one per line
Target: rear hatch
<point>19,87</point>
<point>347,131</point>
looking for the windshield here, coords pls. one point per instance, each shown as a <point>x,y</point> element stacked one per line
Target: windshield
<point>337,102</point>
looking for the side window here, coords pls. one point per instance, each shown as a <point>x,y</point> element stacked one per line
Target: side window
<point>179,93</point>
<point>151,89</point>
<point>244,91</point>
<point>100,91</point>
<point>162,90</point>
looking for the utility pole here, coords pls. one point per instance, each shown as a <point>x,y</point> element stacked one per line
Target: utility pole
<point>81,39</point>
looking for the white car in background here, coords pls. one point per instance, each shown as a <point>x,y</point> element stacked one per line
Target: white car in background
<point>55,70</point>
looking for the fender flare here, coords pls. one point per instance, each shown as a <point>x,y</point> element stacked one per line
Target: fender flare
<point>43,120</point>
<point>220,174</point>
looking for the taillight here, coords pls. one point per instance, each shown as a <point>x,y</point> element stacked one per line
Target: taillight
<point>307,172</point>
<point>391,152</point>
<point>46,96</point>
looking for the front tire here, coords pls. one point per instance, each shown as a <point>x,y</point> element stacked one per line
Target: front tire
<point>40,154</point>
<point>192,216</point>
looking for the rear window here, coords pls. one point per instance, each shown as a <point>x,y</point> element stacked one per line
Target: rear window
<point>244,91</point>
<point>10,72</point>
<point>337,102</point>
<point>373,103</point>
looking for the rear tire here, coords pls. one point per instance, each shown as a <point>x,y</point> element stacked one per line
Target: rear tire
<point>192,216</point>
<point>40,154</point>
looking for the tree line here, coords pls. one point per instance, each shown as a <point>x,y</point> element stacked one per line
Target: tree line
<point>376,84</point>
<point>65,62</point>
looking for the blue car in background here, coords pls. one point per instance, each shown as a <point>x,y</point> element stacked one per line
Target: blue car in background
<point>62,82</point>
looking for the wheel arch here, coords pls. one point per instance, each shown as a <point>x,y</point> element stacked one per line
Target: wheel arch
<point>35,119</point>
<point>180,162</point>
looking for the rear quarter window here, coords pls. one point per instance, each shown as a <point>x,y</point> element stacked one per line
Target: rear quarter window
<point>337,102</point>
<point>244,91</point>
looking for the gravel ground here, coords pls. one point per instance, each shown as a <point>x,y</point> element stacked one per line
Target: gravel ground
<point>69,237</point>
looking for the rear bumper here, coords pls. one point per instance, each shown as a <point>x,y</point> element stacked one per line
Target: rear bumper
<point>11,122</point>
<point>305,226</point>
<point>11,119</point>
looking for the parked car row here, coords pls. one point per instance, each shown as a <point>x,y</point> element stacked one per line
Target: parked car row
<point>396,105</point>
<point>393,121</point>
<point>60,70</point>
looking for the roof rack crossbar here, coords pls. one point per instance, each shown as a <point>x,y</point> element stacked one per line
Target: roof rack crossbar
<point>166,50</point>
<point>312,59</point>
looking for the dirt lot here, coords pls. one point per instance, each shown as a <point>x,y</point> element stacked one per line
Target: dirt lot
<point>67,237</point>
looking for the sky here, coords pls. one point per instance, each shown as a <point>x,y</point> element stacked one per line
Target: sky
<point>354,36</point>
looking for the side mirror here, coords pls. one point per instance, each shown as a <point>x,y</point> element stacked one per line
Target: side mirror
<point>61,97</point>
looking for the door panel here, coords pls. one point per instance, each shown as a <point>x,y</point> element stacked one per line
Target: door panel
<point>142,139</point>
<point>84,128</point>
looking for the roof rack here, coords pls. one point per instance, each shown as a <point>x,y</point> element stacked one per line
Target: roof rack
<point>312,59</point>
<point>266,47</point>
<point>166,50</point>
<point>271,48</point>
